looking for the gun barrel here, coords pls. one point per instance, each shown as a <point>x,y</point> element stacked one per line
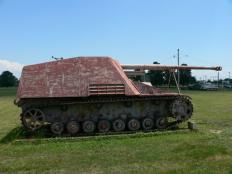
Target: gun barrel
<point>165,67</point>
<point>135,73</point>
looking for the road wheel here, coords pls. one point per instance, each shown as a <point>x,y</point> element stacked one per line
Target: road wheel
<point>103,126</point>
<point>73,127</point>
<point>57,128</point>
<point>147,123</point>
<point>133,125</point>
<point>119,125</point>
<point>161,123</point>
<point>88,126</point>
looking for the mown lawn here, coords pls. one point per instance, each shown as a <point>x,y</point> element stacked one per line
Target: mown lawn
<point>206,151</point>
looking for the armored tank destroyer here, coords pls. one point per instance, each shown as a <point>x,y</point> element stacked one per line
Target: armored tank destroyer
<point>86,95</point>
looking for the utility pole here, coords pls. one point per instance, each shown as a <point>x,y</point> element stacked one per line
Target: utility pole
<point>178,63</point>
<point>218,79</point>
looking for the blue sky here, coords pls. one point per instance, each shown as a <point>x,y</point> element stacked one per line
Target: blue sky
<point>132,31</point>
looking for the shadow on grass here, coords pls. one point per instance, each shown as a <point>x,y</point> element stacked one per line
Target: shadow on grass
<point>21,133</point>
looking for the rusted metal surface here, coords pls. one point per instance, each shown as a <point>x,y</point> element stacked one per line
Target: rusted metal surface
<point>165,67</point>
<point>147,89</point>
<point>86,76</point>
<point>74,77</point>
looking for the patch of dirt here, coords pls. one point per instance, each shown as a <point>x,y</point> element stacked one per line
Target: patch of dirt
<point>216,131</point>
<point>219,158</point>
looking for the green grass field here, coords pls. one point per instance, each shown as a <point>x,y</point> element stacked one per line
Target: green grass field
<point>207,151</point>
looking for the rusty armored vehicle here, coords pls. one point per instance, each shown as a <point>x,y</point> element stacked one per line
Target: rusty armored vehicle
<point>86,95</point>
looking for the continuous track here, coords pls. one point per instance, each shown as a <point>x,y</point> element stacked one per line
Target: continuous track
<point>37,119</point>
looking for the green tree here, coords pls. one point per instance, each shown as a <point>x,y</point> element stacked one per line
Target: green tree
<point>7,79</point>
<point>186,77</point>
<point>156,77</point>
<point>168,78</point>
<point>161,77</point>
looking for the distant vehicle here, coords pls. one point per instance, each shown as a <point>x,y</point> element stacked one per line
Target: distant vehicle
<point>203,86</point>
<point>209,87</point>
<point>228,86</point>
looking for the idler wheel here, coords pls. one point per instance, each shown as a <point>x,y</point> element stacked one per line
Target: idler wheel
<point>133,124</point>
<point>103,126</point>
<point>73,127</point>
<point>147,123</point>
<point>33,119</point>
<point>88,126</point>
<point>119,125</point>
<point>57,128</point>
<point>161,123</point>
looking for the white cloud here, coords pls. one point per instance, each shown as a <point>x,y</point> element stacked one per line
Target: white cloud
<point>14,67</point>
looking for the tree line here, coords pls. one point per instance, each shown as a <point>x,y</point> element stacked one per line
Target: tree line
<point>7,79</point>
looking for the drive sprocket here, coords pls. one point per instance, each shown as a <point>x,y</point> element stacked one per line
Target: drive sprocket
<point>181,109</point>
